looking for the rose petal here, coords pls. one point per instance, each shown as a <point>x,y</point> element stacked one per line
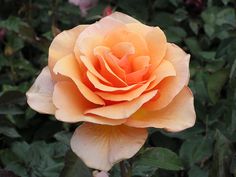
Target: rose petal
<point>165,69</point>
<point>92,69</point>
<point>39,96</point>
<point>100,147</point>
<point>123,18</point>
<point>157,45</point>
<point>97,84</point>
<point>69,67</point>
<point>63,44</point>
<point>123,35</point>
<point>171,86</point>
<point>93,36</point>
<point>125,96</point>
<point>71,105</point>
<point>122,110</point>
<point>140,62</point>
<point>177,116</point>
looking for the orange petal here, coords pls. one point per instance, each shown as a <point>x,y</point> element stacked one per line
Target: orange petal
<point>71,105</point>
<point>125,96</point>
<point>97,84</point>
<point>157,45</point>
<point>137,76</point>
<point>93,36</point>
<point>122,110</point>
<point>100,147</point>
<point>124,35</point>
<point>177,116</point>
<point>69,67</point>
<point>107,72</point>
<point>171,86</point>
<point>140,62</point>
<point>63,44</point>
<point>123,48</point>
<point>165,69</point>
<point>92,69</point>
<point>110,60</point>
<point>39,96</point>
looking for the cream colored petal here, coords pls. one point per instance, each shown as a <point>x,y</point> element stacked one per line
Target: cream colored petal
<point>71,105</point>
<point>122,110</point>
<point>100,147</point>
<point>126,19</point>
<point>39,96</point>
<point>177,116</point>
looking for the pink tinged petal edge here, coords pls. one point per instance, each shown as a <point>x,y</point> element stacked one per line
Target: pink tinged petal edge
<point>100,147</point>
<point>39,96</point>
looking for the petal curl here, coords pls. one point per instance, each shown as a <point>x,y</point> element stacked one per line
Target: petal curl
<point>71,105</point>
<point>69,67</point>
<point>171,86</point>
<point>122,110</point>
<point>63,44</point>
<point>100,147</point>
<point>177,116</point>
<point>39,96</point>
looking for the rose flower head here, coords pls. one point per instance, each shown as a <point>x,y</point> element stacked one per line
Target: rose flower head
<point>119,77</point>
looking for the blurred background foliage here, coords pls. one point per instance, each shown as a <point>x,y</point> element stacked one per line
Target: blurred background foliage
<point>36,145</point>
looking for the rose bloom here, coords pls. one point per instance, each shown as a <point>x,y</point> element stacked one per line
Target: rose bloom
<point>119,77</point>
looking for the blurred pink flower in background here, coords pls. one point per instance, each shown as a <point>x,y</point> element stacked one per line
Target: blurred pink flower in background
<point>84,5</point>
<point>100,174</point>
<point>107,11</point>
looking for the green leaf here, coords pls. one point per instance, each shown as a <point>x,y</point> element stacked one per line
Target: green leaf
<point>158,158</point>
<point>221,158</point>
<point>74,167</point>
<point>12,23</point>
<point>195,171</point>
<point>9,131</point>
<point>63,137</point>
<point>214,88</point>
<point>195,150</point>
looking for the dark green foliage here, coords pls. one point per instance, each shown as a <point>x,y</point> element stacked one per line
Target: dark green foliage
<point>36,145</point>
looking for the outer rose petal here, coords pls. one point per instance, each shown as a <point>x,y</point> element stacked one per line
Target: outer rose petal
<point>71,105</point>
<point>100,147</point>
<point>122,110</point>
<point>39,96</point>
<point>123,18</point>
<point>177,116</point>
<point>63,44</point>
<point>171,86</point>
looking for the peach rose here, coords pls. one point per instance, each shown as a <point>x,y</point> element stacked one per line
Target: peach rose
<point>120,77</point>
